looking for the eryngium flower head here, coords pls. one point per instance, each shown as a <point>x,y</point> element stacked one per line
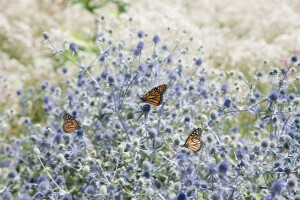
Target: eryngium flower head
<point>292,182</point>
<point>212,169</point>
<point>146,174</point>
<point>44,187</point>
<point>140,45</point>
<point>278,187</point>
<point>273,95</point>
<point>65,70</point>
<point>46,35</point>
<point>73,48</point>
<point>217,195</point>
<point>181,196</point>
<point>240,153</point>
<point>19,92</point>
<point>198,62</point>
<point>227,103</point>
<point>294,59</point>
<point>224,88</point>
<point>140,34</point>
<point>146,108</point>
<point>181,156</point>
<point>223,167</point>
<point>156,39</point>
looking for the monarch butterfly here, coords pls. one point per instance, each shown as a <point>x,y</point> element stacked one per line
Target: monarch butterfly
<point>193,141</point>
<point>70,124</point>
<point>155,95</point>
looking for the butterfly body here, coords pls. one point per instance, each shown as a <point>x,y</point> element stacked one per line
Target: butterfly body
<point>155,95</point>
<point>193,141</point>
<point>70,124</point>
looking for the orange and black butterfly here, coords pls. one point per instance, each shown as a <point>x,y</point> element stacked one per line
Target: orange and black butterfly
<point>155,96</point>
<point>193,142</point>
<point>70,124</point>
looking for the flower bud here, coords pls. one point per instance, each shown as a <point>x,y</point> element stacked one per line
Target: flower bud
<point>36,151</point>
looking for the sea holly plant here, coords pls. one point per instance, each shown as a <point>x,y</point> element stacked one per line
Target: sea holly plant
<point>123,147</point>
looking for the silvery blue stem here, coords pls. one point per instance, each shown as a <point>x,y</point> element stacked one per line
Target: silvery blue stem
<point>123,125</point>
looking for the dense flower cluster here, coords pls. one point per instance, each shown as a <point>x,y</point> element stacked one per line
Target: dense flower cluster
<point>128,149</point>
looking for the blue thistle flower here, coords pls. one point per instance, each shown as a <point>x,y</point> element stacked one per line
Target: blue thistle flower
<point>198,62</point>
<point>190,169</point>
<point>53,88</point>
<point>224,88</point>
<point>140,45</point>
<point>257,95</point>
<point>46,100</point>
<point>59,180</point>
<point>191,87</point>
<point>164,47</point>
<point>46,35</point>
<point>187,119</point>
<point>19,92</point>
<point>223,167</point>
<point>227,103</point>
<point>157,184</point>
<point>294,59</point>
<point>156,39</point>
<point>203,92</point>
<point>104,75</point>
<point>278,187</point>
<point>273,95</point>
<point>197,184</point>
<point>181,196</point>
<point>44,86</point>
<point>151,64</point>
<point>79,133</point>
<point>44,187</point>
<point>136,52</point>
<point>234,129</point>
<point>38,196</point>
<point>90,190</point>
<point>212,169</point>
<point>73,48</point>
<point>202,79</point>
<point>181,156</point>
<point>31,89</point>
<point>217,195</point>
<point>240,153</point>
<point>42,178</point>
<point>11,175</point>
<point>169,59</point>
<point>140,34</point>
<point>4,163</point>
<point>111,79</point>
<point>292,182</point>
<point>6,195</point>
<point>146,108</point>
<point>146,174</point>
<point>80,76</point>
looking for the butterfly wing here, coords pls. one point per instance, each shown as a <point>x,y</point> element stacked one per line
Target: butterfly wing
<point>162,88</point>
<point>70,124</point>
<point>193,141</point>
<point>195,145</point>
<point>155,95</point>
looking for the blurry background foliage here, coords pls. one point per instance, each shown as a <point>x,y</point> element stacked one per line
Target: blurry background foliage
<point>93,5</point>
<point>234,35</point>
